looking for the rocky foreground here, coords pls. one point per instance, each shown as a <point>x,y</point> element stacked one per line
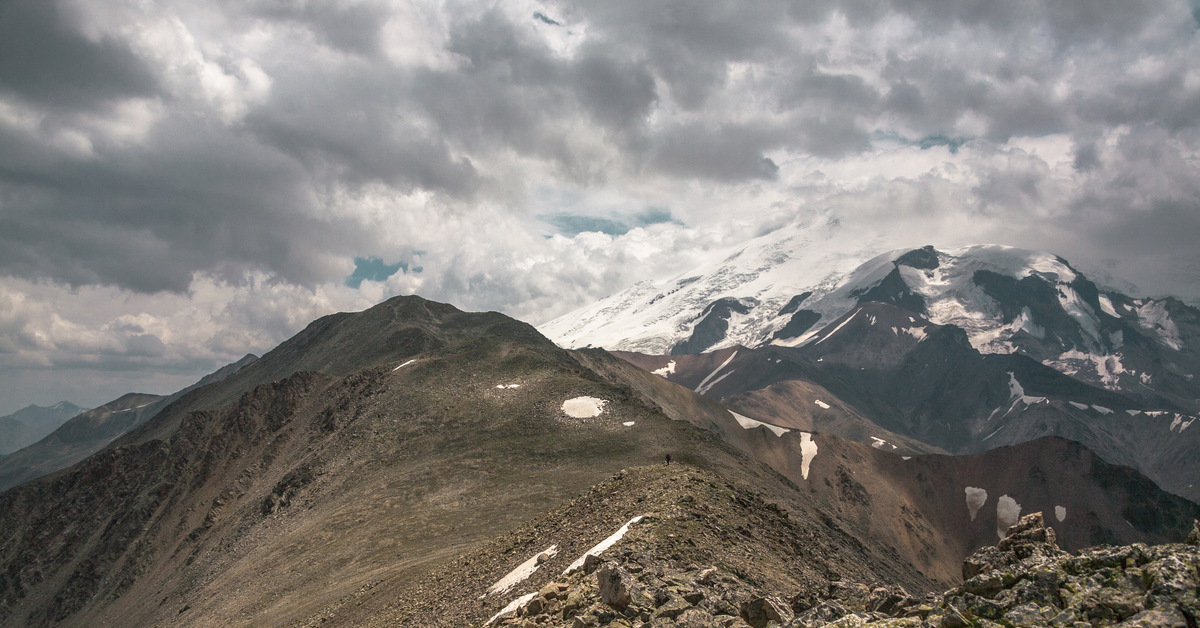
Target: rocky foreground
<point>1025,580</point>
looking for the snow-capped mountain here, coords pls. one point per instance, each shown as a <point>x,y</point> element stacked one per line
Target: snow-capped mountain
<point>787,287</point>
<point>884,376</point>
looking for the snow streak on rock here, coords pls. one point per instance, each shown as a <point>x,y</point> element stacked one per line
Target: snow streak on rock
<point>602,545</point>
<point>522,571</point>
<point>704,383</point>
<point>512,606</point>
<point>748,423</point>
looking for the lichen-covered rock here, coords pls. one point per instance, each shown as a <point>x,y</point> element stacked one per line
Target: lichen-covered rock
<point>616,584</point>
<point>1028,539</point>
<point>825,612</point>
<point>760,610</point>
<point>888,600</point>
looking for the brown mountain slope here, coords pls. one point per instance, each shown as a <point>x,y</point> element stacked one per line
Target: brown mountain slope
<point>306,490</point>
<point>766,389</point>
<point>918,505</point>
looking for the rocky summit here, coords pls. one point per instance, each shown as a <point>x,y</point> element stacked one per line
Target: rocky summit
<point>1025,580</point>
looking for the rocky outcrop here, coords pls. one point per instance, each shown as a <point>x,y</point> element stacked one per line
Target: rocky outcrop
<point>1025,580</point>
<point>1028,539</point>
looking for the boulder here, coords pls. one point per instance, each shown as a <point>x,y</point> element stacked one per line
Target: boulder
<point>757,611</point>
<point>590,563</point>
<point>617,586</point>
<point>888,600</point>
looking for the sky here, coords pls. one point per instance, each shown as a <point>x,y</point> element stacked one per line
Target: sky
<point>183,182</point>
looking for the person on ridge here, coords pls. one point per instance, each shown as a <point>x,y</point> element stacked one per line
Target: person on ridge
<point>668,460</point>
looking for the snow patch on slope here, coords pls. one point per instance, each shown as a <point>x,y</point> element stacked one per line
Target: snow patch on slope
<point>669,369</point>
<point>1153,316</point>
<point>835,329</point>
<point>808,451</point>
<point>748,423</point>
<point>583,407</point>
<point>512,606</point>
<point>1017,392</point>
<point>521,572</point>
<point>1008,512</point>
<point>1106,306</point>
<point>1108,368</point>
<point>704,385</point>
<point>600,547</point>
<point>976,498</point>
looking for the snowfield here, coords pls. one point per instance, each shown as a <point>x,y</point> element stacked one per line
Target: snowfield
<point>583,407</point>
<point>748,423</point>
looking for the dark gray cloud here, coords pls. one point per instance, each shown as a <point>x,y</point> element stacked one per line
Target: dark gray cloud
<point>350,27</point>
<point>47,62</point>
<point>728,152</point>
<point>149,218</point>
<point>617,93</point>
<point>545,19</point>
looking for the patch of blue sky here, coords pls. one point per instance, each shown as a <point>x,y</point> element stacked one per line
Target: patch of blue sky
<point>372,269</point>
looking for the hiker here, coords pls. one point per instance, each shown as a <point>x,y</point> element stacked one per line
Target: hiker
<point>668,460</point>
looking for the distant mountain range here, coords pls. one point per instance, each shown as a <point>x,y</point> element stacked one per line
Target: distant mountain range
<point>86,432</point>
<point>961,350</point>
<point>31,423</point>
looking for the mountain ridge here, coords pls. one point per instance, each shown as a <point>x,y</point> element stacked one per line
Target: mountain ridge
<point>352,498</point>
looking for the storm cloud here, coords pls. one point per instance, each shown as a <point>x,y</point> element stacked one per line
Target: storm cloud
<point>227,166</point>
